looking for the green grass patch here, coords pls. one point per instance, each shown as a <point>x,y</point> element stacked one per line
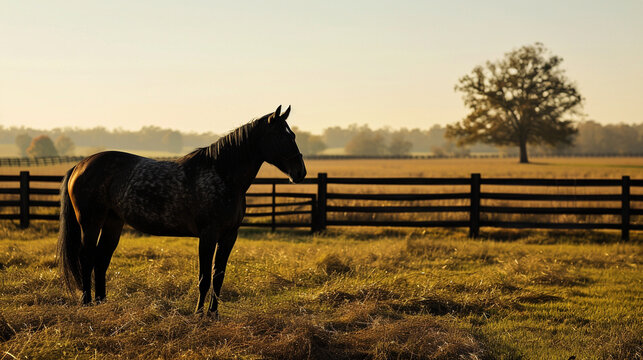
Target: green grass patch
<point>338,295</point>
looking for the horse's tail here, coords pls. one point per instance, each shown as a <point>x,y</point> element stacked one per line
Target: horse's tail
<point>69,239</point>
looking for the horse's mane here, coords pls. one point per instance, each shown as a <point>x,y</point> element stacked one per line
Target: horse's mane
<point>228,148</point>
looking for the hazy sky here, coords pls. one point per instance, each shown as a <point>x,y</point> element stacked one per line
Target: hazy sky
<point>211,66</point>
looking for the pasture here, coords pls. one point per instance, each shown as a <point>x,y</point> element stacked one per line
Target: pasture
<point>345,293</point>
<point>350,294</point>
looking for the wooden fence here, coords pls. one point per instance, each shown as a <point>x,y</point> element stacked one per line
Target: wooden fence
<point>313,207</point>
<point>39,161</point>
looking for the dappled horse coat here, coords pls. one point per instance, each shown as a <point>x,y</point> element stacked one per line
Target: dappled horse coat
<point>201,194</point>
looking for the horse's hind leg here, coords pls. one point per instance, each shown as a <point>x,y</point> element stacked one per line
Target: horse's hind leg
<point>90,227</point>
<point>207,244</point>
<point>220,262</point>
<point>107,243</point>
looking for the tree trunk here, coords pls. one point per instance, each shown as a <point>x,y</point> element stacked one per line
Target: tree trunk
<point>523,152</point>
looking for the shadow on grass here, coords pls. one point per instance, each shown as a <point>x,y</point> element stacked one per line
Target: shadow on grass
<point>40,229</point>
<point>555,236</point>
<point>287,235</point>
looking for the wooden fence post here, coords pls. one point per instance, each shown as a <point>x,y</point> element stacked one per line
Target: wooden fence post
<point>322,190</point>
<point>474,210</point>
<point>313,214</point>
<point>274,206</point>
<point>24,199</point>
<point>625,208</point>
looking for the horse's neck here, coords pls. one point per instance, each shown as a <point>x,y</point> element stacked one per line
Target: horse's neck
<point>239,174</point>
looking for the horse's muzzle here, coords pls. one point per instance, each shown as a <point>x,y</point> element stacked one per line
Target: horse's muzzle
<point>298,178</point>
<point>298,170</point>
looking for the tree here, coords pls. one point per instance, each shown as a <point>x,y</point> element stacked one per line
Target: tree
<point>315,145</point>
<point>366,142</point>
<point>399,145</point>
<point>173,141</point>
<point>336,136</point>
<point>308,143</point>
<point>519,100</point>
<point>41,146</point>
<point>64,145</point>
<point>23,141</point>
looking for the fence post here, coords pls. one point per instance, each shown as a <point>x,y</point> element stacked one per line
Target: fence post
<point>274,207</point>
<point>313,213</point>
<point>322,188</point>
<point>625,208</point>
<point>24,199</point>
<point>474,210</point>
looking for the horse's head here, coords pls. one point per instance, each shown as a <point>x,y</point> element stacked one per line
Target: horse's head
<point>279,147</point>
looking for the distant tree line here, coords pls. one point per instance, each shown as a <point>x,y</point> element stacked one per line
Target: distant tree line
<point>591,138</point>
<point>595,138</point>
<point>42,145</point>
<point>147,138</point>
<point>65,141</point>
<point>362,140</point>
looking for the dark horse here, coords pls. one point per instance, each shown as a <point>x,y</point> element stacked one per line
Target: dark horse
<point>201,194</point>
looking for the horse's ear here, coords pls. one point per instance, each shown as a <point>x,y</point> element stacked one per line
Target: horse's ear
<point>284,116</point>
<point>274,115</point>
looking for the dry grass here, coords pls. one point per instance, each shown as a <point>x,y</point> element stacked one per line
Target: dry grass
<point>539,167</point>
<point>378,294</point>
<point>367,294</point>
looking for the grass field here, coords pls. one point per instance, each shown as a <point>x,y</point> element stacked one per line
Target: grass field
<point>339,295</point>
<point>347,293</point>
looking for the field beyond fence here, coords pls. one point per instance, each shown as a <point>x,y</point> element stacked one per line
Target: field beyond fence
<point>323,202</point>
<point>56,160</point>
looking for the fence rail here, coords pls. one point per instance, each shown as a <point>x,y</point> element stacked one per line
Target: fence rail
<point>311,209</point>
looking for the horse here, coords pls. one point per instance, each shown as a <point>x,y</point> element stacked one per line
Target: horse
<point>201,194</point>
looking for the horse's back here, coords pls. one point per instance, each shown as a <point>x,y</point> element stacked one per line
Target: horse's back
<point>152,196</point>
<point>96,170</point>
<point>106,162</point>
<point>93,177</point>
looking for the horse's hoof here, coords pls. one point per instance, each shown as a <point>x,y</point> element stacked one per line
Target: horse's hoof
<point>214,315</point>
<point>86,300</point>
<point>100,300</point>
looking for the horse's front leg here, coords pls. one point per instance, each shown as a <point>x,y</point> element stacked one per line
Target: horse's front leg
<point>220,261</point>
<point>207,244</point>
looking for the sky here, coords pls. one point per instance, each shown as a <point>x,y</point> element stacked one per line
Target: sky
<point>214,65</point>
